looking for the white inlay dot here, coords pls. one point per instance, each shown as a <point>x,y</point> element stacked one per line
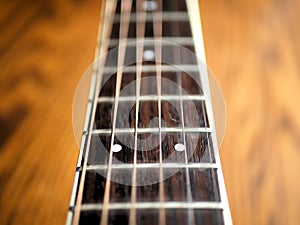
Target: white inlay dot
<point>116,148</point>
<point>149,55</point>
<point>179,147</point>
<point>149,5</point>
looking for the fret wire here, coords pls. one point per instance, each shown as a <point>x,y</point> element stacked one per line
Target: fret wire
<point>156,205</point>
<point>105,29</point>
<point>155,130</point>
<point>124,26</point>
<point>177,40</point>
<point>153,98</point>
<point>157,31</point>
<point>191,218</point>
<point>151,68</point>
<point>157,16</point>
<point>140,30</point>
<point>201,166</point>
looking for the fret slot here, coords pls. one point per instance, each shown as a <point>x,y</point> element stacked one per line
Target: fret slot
<point>120,191</point>
<point>169,154</point>
<point>199,148</point>
<point>94,186</point>
<point>103,116</point>
<point>195,114</point>
<point>204,185</point>
<point>118,217</point>
<point>99,149</point>
<point>126,140</point>
<point>92,217</point>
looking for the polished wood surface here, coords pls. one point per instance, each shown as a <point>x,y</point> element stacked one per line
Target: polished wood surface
<point>252,47</point>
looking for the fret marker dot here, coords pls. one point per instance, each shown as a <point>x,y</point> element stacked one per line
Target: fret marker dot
<point>179,147</point>
<point>149,55</point>
<point>116,148</point>
<point>149,5</point>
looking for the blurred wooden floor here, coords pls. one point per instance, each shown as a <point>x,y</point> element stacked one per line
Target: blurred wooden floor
<point>252,47</point>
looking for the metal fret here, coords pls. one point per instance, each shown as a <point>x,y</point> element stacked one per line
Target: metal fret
<point>156,165</point>
<point>156,205</point>
<point>157,16</point>
<point>155,130</point>
<point>177,40</point>
<point>151,68</point>
<point>153,98</point>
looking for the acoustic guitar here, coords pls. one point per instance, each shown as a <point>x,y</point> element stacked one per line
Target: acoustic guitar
<point>149,148</point>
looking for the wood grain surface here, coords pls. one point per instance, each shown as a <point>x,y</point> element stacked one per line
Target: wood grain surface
<point>252,47</point>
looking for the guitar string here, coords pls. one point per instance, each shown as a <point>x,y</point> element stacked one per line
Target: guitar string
<point>106,30</point>
<point>140,31</point>
<point>123,33</point>
<point>177,57</point>
<point>157,32</point>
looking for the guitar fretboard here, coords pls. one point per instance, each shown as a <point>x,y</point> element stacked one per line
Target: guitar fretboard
<point>148,153</point>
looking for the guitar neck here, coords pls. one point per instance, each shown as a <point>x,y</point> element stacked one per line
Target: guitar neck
<point>149,152</point>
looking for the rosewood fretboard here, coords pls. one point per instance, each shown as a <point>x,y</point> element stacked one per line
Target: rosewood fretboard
<point>149,153</point>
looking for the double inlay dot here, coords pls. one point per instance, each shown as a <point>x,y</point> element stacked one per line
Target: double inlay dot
<point>178,147</point>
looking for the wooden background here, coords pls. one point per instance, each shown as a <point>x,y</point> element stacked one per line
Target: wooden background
<point>252,47</point>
